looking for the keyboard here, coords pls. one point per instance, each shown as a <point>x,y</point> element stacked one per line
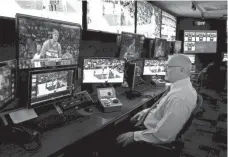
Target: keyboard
<point>57,120</point>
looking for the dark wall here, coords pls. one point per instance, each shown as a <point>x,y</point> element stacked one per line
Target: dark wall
<point>202,60</point>
<point>7,39</point>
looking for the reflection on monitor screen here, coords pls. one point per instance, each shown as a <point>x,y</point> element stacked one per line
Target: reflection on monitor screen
<point>168,30</point>
<point>160,48</point>
<point>111,16</point>
<point>191,57</point>
<point>103,70</point>
<point>7,81</point>
<point>154,67</point>
<point>148,19</point>
<point>44,42</point>
<point>51,85</point>
<point>131,46</point>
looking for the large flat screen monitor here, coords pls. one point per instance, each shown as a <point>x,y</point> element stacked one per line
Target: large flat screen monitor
<point>168,27</point>
<point>65,10</point>
<point>43,42</point>
<point>148,19</point>
<point>154,67</point>
<point>8,81</point>
<point>111,16</point>
<point>50,85</point>
<point>160,46</point>
<point>131,46</point>
<point>200,41</point>
<point>103,70</point>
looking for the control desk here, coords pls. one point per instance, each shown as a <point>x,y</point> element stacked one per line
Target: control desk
<point>54,142</point>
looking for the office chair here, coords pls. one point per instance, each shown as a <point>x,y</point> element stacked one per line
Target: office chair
<point>175,147</point>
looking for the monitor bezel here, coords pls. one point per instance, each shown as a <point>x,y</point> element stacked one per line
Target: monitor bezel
<point>31,17</point>
<point>2,109</point>
<point>133,77</point>
<point>154,46</point>
<point>82,69</point>
<point>152,74</point>
<point>121,41</point>
<point>52,100</point>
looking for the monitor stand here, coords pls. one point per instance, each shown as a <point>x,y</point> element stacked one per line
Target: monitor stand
<point>130,94</point>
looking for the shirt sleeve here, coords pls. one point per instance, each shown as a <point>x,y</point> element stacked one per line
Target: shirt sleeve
<point>175,116</point>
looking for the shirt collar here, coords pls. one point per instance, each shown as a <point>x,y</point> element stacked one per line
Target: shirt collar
<point>180,83</point>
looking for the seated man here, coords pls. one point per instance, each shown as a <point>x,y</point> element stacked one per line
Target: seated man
<point>163,121</point>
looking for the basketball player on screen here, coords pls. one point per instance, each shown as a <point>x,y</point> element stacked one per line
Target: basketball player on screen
<point>51,48</point>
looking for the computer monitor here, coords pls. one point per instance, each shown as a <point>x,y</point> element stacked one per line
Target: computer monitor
<point>176,47</point>
<point>225,59</point>
<point>130,73</point>
<point>154,67</point>
<point>48,85</point>
<point>103,70</point>
<point>43,42</point>
<point>191,57</point>
<point>8,79</point>
<point>131,46</point>
<point>160,48</point>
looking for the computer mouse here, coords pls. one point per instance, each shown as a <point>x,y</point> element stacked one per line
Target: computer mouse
<point>115,101</point>
<point>90,110</point>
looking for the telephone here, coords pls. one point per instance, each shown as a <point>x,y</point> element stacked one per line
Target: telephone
<point>27,138</point>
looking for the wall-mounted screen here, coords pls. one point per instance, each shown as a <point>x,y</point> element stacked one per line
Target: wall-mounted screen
<point>131,46</point>
<point>65,10</point>
<point>111,16</point>
<point>168,27</point>
<point>43,42</point>
<point>200,41</point>
<point>148,19</point>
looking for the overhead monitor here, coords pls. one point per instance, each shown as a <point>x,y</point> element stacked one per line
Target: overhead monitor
<point>43,42</point>
<point>160,46</point>
<point>191,57</point>
<point>168,27</point>
<point>148,19</point>
<point>65,10</point>
<point>176,47</point>
<point>50,85</point>
<point>8,79</point>
<point>111,16</point>
<point>131,46</point>
<point>154,67</point>
<point>103,70</point>
<point>200,41</point>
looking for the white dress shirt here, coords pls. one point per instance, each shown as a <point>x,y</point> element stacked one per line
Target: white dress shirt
<point>165,121</point>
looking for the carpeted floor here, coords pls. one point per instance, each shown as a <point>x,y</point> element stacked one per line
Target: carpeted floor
<point>207,136</point>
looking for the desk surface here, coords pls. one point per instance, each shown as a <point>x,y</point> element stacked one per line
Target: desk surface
<point>59,138</point>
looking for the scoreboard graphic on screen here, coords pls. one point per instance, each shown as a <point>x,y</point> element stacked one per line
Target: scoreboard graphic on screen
<point>200,41</point>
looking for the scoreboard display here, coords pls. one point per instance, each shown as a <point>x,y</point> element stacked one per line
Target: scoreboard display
<point>199,41</point>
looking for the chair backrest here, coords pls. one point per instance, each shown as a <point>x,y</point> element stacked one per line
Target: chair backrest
<point>186,126</point>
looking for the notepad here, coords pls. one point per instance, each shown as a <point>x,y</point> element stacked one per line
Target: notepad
<point>22,115</point>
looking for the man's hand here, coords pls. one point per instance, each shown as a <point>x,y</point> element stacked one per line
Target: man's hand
<point>125,139</point>
<point>137,117</point>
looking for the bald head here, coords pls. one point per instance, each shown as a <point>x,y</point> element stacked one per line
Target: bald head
<point>179,67</point>
<point>181,60</point>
